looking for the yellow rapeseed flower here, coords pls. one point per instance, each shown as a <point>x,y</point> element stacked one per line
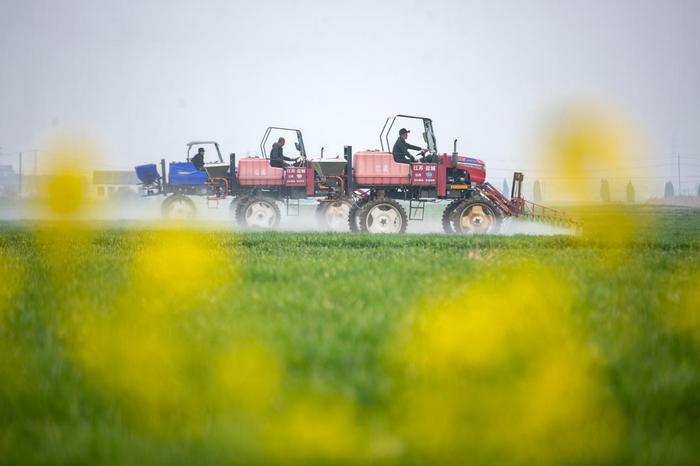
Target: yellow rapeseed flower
<point>585,144</point>
<point>247,377</point>
<point>684,314</point>
<point>141,349</point>
<point>502,370</point>
<point>65,193</point>
<point>175,268</point>
<point>135,357</point>
<point>65,202</point>
<point>11,279</point>
<point>316,428</point>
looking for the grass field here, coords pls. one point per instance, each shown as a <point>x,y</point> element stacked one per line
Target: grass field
<point>159,346</point>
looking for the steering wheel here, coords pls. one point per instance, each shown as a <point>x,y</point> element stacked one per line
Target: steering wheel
<point>431,156</point>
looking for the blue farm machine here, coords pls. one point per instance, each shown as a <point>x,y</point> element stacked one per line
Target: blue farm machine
<point>360,191</point>
<point>253,184</point>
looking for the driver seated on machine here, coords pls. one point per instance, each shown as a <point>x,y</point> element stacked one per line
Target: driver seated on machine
<point>277,158</point>
<point>198,159</point>
<point>401,147</point>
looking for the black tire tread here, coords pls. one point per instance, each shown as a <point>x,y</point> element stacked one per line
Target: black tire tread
<point>354,216</point>
<point>447,216</point>
<point>235,202</point>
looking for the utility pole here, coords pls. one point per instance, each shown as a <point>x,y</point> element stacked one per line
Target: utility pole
<point>20,175</point>
<point>679,173</point>
<point>674,152</point>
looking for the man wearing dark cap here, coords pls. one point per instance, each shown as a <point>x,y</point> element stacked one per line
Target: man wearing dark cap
<point>277,158</point>
<point>400,150</point>
<point>198,159</point>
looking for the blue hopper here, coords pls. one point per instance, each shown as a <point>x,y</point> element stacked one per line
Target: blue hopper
<point>148,174</point>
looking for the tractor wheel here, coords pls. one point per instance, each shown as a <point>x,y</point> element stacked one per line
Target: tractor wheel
<point>178,207</point>
<point>383,216</point>
<point>355,214</point>
<point>476,216</point>
<point>233,206</point>
<point>333,215</point>
<point>258,212</point>
<point>448,216</point>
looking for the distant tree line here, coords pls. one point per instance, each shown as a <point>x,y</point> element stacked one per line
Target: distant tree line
<point>630,192</point>
<point>537,192</point>
<point>604,190</point>
<point>668,190</point>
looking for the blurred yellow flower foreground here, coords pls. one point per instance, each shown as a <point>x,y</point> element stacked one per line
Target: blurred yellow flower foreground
<point>501,372</point>
<point>585,143</point>
<point>141,347</point>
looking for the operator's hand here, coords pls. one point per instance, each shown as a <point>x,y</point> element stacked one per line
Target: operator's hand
<point>426,149</point>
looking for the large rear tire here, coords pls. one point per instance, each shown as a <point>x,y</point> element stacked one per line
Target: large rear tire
<point>476,216</point>
<point>178,207</point>
<point>448,216</point>
<point>235,202</point>
<point>356,213</point>
<point>383,216</point>
<point>334,215</point>
<point>258,212</point>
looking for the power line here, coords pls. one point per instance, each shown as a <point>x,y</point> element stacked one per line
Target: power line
<point>635,167</point>
<point>689,177</point>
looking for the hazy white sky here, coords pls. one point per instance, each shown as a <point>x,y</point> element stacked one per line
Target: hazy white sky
<point>146,77</point>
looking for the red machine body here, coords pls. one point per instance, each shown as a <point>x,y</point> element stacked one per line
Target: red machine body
<point>377,168</point>
<point>258,172</point>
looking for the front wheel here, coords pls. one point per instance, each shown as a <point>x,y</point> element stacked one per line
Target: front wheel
<point>258,212</point>
<point>178,207</point>
<point>383,216</point>
<point>476,216</point>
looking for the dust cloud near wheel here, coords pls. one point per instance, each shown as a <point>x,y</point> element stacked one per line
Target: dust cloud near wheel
<point>333,215</point>
<point>178,207</point>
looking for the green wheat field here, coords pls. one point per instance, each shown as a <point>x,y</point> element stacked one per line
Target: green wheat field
<point>159,345</point>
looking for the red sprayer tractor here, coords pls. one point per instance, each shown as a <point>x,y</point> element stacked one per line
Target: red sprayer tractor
<point>360,190</point>
<point>475,205</point>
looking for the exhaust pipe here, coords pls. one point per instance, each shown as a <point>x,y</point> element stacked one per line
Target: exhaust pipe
<point>347,151</point>
<point>454,154</point>
<point>164,180</point>
<point>233,181</point>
